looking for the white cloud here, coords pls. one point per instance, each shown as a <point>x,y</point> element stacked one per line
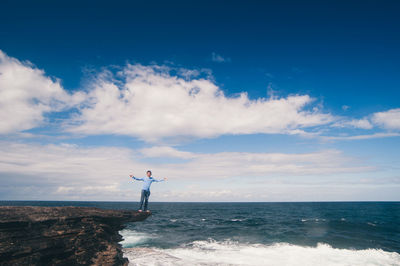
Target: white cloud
<point>389,119</point>
<point>26,94</point>
<point>363,123</point>
<point>155,103</point>
<point>361,137</point>
<point>64,161</point>
<point>219,58</point>
<point>108,164</point>
<point>64,170</point>
<point>150,103</point>
<point>230,164</point>
<point>29,171</point>
<point>165,151</point>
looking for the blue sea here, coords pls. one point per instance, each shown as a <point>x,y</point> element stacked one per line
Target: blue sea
<point>318,233</point>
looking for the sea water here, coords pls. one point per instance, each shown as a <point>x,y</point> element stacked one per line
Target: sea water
<point>320,233</point>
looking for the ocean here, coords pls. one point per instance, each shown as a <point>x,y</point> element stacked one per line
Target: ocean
<point>303,233</point>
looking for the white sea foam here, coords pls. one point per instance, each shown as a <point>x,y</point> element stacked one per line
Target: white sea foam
<point>133,238</point>
<point>233,253</point>
<point>315,220</point>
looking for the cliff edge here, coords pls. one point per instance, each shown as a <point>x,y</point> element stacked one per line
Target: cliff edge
<point>63,235</point>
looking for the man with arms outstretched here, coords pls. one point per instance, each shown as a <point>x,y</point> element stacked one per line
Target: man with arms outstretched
<point>146,189</point>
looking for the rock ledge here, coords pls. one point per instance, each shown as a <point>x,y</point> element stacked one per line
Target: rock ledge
<point>63,235</point>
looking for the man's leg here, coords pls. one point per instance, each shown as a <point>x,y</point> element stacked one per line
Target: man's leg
<point>142,199</point>
<point>146,200</point>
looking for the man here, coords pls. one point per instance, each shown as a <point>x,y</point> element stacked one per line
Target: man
<point>146,189</point>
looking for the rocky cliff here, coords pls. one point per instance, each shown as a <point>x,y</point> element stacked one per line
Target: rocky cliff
<point>63,235</point>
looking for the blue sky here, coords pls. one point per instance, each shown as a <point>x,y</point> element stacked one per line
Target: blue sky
<point>233,101</point>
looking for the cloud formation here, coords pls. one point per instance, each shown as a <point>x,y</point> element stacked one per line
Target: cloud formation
<point>53,171</point>
<point>27,94</point>
<point>154,103</point>
<point>219,58</point>
<point>150,103</point>
<point>355,123</point>
<point>389,119</point>
<point>231,164</point>
<point>362,137</point>
<point>73,172</point>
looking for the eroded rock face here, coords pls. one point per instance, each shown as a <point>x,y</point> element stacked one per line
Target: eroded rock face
<point>63,235</point>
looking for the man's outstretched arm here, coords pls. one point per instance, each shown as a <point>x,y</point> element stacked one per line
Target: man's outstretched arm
<point>159,180</point>
<point>138,179</point>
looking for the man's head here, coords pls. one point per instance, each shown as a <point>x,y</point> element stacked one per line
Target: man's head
<point>148,173</point>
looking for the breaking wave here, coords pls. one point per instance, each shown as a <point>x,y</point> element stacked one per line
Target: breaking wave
<point>133,238</point>
<point>233,253</point>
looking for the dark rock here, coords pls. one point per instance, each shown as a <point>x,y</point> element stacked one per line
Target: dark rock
<point>63,235</point>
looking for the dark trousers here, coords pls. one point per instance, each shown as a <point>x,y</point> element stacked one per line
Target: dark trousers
<point>144,198</point>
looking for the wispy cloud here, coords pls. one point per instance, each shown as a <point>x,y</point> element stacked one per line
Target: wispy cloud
<point>165,151</point>
<point>361,137</point>
<point>219,58</point>
<point>229,164</point>
<point>387,120</point>
<point>363,123</point>
<point>72,172</point>
<point>345,107</point>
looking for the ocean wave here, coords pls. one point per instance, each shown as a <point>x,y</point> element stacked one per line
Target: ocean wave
<point>234,253</point>
<point>315,220</point>
<point>133,238</point>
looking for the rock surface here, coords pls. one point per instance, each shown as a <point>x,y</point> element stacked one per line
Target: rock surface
<point>63,235</point>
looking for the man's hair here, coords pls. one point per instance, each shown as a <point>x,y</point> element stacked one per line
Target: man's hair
<point>148,171</point>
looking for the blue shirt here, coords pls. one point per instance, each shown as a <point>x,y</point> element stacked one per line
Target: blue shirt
<point>147,182</point>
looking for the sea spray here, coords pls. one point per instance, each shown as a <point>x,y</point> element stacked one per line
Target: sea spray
<point>232,253</point>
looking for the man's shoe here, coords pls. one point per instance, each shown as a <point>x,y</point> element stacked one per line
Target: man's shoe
<point>139,210</point>
<point>147,211</point>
